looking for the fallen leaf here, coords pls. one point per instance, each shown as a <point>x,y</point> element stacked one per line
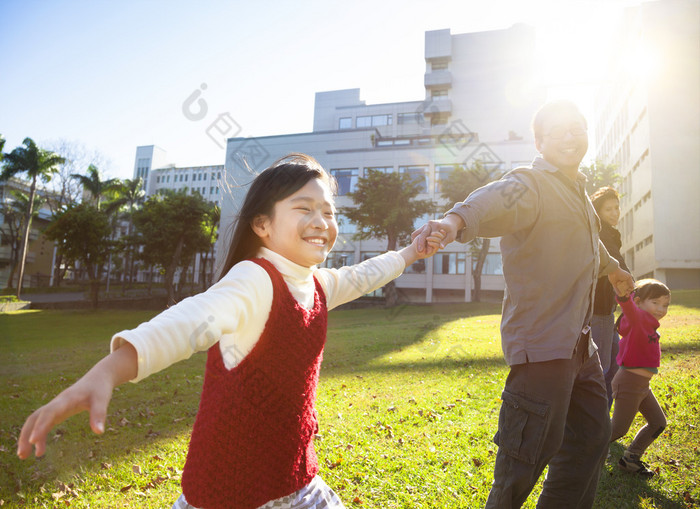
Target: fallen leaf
<point>136,469</point>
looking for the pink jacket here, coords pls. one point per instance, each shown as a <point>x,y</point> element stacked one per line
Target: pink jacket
<point>639,345</point>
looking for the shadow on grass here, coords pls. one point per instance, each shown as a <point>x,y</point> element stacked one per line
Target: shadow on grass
<point>681,348</point>
<point>439,364</point>
<point>621,490</point>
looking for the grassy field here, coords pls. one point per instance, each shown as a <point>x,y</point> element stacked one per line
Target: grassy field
<point>408,404</point>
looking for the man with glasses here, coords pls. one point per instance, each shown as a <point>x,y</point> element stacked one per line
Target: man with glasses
<point>554,405</point>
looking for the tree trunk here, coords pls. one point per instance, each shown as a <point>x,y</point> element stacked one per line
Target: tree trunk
<point>481,259</point>
<point>391,296</point>
<point>93,274</point>
<point>25,240</point>
<point>203,270</point>
<point>150,279</point>
<point>11,277</point>
<point>57,272</point>
<point>170,271</point>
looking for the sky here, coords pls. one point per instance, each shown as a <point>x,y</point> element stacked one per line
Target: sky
<point>108,76</point>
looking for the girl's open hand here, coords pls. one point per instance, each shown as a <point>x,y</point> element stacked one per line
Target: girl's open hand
<point>88,393</point>
<point>92,393</point>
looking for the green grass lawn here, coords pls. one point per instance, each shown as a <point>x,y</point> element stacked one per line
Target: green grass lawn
<point>408,404</point>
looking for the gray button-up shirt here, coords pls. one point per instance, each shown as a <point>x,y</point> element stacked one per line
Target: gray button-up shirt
<point>552,257</point>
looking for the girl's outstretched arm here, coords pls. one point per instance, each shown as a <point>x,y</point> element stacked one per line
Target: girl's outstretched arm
<point>92,393</point>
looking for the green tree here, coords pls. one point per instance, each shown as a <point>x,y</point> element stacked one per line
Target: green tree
<point>130,195</point>
<point>14,213</point>
<point>96,187</point>
<point>386,208</point>
<point>36,163</point>
<point>455,188</point>
<point>211,228</point>
<point>600,175</point>
<point>170,230</point>
<point>82,233</point>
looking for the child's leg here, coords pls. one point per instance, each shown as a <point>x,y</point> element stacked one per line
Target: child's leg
<point>656,423</point>
<point>629,390</point>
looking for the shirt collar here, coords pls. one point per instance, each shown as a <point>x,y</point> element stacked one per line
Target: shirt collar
<point>286,267</point>
<point>540,163</point>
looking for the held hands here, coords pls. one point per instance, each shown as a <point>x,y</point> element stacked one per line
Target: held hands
<point>426,236</point>
<point>414,252</point>
<point>92,393</point>
<point>622,282</point>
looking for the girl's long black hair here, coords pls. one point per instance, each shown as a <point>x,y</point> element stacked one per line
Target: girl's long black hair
<point>285,177</point>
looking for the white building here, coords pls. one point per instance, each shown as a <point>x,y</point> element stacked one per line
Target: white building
<point>478,104</point>
<point>149,164</point>
<point>648,123</point>
<point>158,176</point>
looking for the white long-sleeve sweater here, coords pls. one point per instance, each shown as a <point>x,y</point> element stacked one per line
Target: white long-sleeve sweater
<point>235,309</point>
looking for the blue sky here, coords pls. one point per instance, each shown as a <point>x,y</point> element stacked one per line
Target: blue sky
<point>109,76</point>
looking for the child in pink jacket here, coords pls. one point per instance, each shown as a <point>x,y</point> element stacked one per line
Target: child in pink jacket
<point>639,358</point>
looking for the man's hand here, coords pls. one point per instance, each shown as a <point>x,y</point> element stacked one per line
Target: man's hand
<point>449,226</point>
<point>622,282</point>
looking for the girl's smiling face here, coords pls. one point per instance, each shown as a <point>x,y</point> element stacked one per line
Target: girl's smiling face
<point>302,227</point>
<point>656,306</point>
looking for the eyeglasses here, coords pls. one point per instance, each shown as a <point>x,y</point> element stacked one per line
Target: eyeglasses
<point>558,133</point>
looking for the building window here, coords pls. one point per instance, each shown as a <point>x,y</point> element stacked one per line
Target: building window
<point>417,267</point>
<point>345,123</point>
<point>409,118</point>
<point>345,226</point>
<point>440,119</point>
<point>438,93</point>
<point>346,178</point>
<point>450,263</point>
<point>421,220</point>
<point>442,173</point>
<point>374,120</point>
<point>419,175</point>
<point>380,169</point>
<point>440,65</point>
<point>337,259</point>
<point>493,265</point>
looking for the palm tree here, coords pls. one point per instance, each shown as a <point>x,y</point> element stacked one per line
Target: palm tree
<point>14,214</point>
<point>93,184</point>
<point>36,163</point>
<point>131,194</point>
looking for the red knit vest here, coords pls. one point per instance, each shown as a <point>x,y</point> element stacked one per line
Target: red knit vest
<point>252,441</point>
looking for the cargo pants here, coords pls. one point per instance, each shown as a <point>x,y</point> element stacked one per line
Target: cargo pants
<point>553,413</point>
